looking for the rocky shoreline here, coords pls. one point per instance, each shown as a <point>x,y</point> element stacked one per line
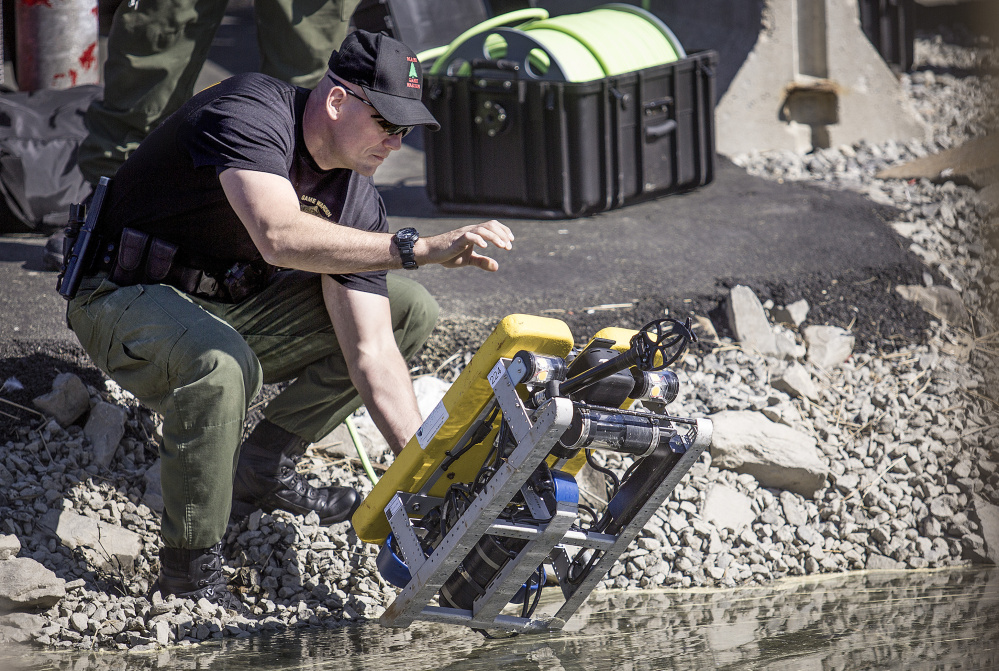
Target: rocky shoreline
<point>896,459</point>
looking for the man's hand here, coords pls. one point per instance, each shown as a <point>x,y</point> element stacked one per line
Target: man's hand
<point>457,248</point>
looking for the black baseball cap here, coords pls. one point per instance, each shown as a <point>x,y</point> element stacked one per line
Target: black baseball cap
<point>389,74</point>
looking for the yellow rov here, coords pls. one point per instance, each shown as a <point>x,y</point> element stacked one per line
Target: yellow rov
<point>481,509</point>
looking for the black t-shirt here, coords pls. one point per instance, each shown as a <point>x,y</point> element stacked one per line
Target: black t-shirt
<point>169,186</point>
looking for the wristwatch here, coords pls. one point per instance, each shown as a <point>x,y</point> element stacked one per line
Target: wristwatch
<point>405,240</point>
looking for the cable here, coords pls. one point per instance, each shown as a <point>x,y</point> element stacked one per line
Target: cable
<point>362,454</point>
<point>615,483</point>
<point>587,45</point>
<point>480,434</point>
<point>518,16</point>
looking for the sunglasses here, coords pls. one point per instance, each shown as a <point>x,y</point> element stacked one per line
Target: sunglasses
<point>387,126</point>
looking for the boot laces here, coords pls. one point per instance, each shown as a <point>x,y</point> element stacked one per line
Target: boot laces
<point>215,577</point>
<point>297,481</point>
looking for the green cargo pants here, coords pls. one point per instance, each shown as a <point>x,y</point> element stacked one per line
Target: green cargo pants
<point>199,363</point>
<point>156,49</point>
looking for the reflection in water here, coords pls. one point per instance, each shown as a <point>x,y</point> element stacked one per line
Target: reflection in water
<point>938,619</point>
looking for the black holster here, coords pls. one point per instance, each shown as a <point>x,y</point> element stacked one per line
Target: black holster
<point>81,242</point>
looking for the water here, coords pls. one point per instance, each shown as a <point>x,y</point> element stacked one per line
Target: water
<point>946,619</point>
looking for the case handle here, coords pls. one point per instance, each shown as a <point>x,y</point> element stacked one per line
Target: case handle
<point>660,129</point>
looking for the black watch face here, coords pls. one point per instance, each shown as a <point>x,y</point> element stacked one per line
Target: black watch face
<point>407,235</point>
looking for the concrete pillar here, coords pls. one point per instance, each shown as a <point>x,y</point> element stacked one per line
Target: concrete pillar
<point>812,80</point>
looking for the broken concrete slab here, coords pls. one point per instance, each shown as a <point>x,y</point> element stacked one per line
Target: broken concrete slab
<point>776,455</point>
<point>942,302</point>
<point>749,322</point>
<point>878,562</point>
<point>67,401</point>
<point>705,329</point>
<point>26,585</point>
<point>105,428</point>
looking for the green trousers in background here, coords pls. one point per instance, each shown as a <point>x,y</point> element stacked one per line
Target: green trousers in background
<point>156,49</point>
<point>199,363</point>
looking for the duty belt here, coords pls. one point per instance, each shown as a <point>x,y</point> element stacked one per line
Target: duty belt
<point>135,257</point>
<point>143,259</point>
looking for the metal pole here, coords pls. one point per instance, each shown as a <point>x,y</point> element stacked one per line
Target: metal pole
<point>56,43</point>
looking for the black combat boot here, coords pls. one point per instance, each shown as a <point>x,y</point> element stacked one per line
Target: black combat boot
<point>266,479</point>
<point>196,574</point>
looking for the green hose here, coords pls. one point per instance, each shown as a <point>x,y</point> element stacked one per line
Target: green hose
<point>520,16</point>
<point>606,41</point>
<point>361,452</point>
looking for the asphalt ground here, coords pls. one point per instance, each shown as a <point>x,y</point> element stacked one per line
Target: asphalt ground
<point>680,251</point>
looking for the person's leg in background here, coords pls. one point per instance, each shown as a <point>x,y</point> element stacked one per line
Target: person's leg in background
<point>156,49</point>
<point>296,37</point>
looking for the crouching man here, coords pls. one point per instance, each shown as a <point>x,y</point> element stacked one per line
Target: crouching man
<point>244,243</point>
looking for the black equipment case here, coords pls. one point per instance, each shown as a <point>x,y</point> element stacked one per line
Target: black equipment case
<point>510,145</point>
<point>890,25</point>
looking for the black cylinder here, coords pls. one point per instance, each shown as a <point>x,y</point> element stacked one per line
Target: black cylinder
<point>477,570</point>
<point>605,429</point>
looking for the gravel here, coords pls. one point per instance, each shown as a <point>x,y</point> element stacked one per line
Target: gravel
<point>907,427</point>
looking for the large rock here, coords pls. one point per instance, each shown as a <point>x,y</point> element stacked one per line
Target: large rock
<point>727,507</point>
<point>749,321</point>
<point>988,520</point>
<point>795,381</point>
<point>26,585</point>
<point>878,562</point>
<point>794,511</point>
<point>105,428</point>
<point>108,547</point>
<point>67,401</point>
<point>776,455</point>
<point>942,302</point>
<point>20,627</point>
<point>9,546</point>
<point>828,346</point>
<point>795,313</point>
<point>153,496</point>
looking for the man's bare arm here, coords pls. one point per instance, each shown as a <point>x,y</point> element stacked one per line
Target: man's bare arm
<point>363,325</point>
<point>290,238</point>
